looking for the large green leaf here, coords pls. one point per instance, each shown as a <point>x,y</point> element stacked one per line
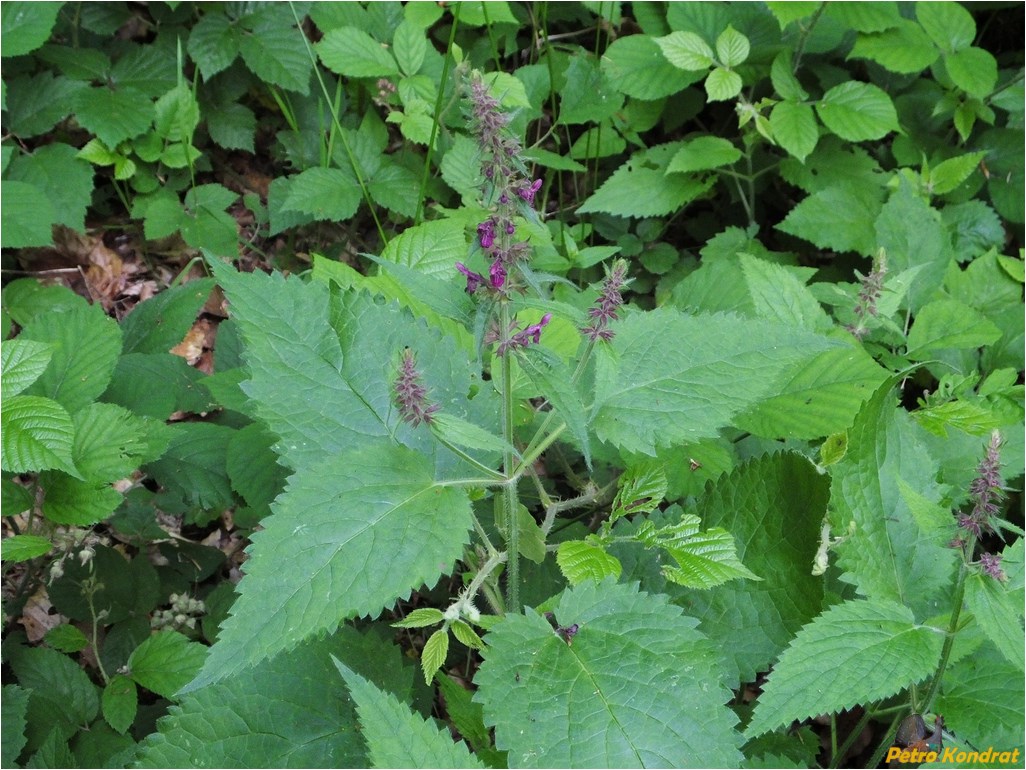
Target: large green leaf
<point>37,434</point>
<point>160,323</point>
<point>113,115</point>
<point>856,652</point>
<point>638,686</point>
<point>213,42</point>
<point>26,216</point>
<point>357,531</point>
<point>838,218</point>
<point>396,737</point>
<point>275,50</point>
<point>668,377</point>
<point>110,442</point>
<point>999,614</point>
<point>888,556</point>
<point>26,26</point>
<point>947,323</point>
<point>323,193</point>
<point>352,52</point>
<point>165,662</point>
<point>857,112</point>
<point>773,507</point>
<point>193,469</point>
<point>86,344</point>
<point>66,179</point>
<point>22,361</point>
<point>904,49</point>
<point>286,712</point>
<point>636,66</point>
<point>794,128</point>
<point>15,708</point>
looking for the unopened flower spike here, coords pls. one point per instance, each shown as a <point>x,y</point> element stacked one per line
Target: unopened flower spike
<point>985,490</point>
<point>609,301</point>
<point>410,395</point>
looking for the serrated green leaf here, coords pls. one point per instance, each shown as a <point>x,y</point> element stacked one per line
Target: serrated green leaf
<point>26,26</point>
<point>22,361</point>
<point>81,503</point>
<point>156,384</point>
<point>821,399</point>
<point>119,702</point>
<point>773,507</point>
<point>580,561</point>
<point>26,216</point>
<point>110,442</point>
<point>794,128</point>
<point>641,489</point>
<point>240,721</point>
<point>425,616</point>
<point>784,81</point>
<point>468,719</point>
<point>866,17</point>
<point>982,697</point>
<point>37,434</point>
<point>646,679</point>
<point>732,48</point>
<point>165,662</point>
<point>352,52</point>
<point>192,469</point>
<point>888,557</point>
<point>324,194</point>
<point>999,615</point>
<point>857,112</point>
<point>669,377</point>
<point>384,719</point>
<point>432,657</point>
<point>588,95</point>
<point>722,84</point>
<point>636,190</point>
<point>856,652</point>
<point>705,152</point>
<point>949,25</point>
<point>213,42</point>
<point>461,167</point>
<point>233,126</point>
<point>66,638</point>
<point>950,173</point>
<point>636,66</point>
<point>838,218</point>
<point>113,115</point>
<point>275,51</point>
<point>66,179</point>
<point>23,547</point>
<point>904,49</point>
<point>85,344</point>
<point>465,434</point>
<point>973,70</point>
<point>686,50</point>
<point>253,468</point>
<point>704,559</point>
<point>409,45</point>
<point>35,104</point>
<point>946,323</point>
<point>465,634</point>
<point>15,702</point>
<point>161,322</point>
<point>358,531</point>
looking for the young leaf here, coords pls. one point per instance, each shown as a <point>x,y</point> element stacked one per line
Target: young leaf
<point>704,559</point>
<point>165,662</point>
<point>856,652</point>
<point>669,377</point>
<point>945,324</point>
<point>857,112</point>
<point>425,616</point>
<point>66,638</point>
<point>465,634</point>
<point>794,128</point>
<point>637,673</point>
<point>703,153</point>
<point>358,531</point>
<point>640,490</point>
<point>409,46</point>
<point>580,561</point>
<point>732,48</point>
<point>636,190</point>
<point>432,657</point>
<point>22,361</point>
<point>687,51</point>
<point>383,718</point>
<point>37,434</point>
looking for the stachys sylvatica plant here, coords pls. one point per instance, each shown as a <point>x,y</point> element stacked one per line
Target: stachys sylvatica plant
<point>532,470</point>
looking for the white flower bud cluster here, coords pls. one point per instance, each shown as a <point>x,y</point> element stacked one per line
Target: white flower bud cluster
<point>183,613</point>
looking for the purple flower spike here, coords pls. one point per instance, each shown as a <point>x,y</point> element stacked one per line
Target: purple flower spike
<point>498,274</point>
<point>534,330</point>
<point>527,192</point>
<point>474,280</point>
<point>991,564</point>
<point>410,395</point>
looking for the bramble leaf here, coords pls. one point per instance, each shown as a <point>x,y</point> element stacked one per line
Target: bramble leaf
<point>37,434</point>
<point>580,561</point>
<point>636,673</point>
<point>22,363</point>
<point>856,652</point>
<point>857,111</point>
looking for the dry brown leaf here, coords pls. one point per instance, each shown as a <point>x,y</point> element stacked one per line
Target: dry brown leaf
<point>36,617</point>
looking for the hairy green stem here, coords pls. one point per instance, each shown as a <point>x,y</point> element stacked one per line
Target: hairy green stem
<point>509,492</point>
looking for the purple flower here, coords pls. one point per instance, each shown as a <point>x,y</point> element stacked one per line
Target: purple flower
<point>992,566</point>
<point>526,336</point>
<point>486,230</point>
<point>474,280</point>
<point>609,301</point>
<point>985,490</point>
<point>497,273</point>
<point>527,191</point>
<point>410,394</point>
